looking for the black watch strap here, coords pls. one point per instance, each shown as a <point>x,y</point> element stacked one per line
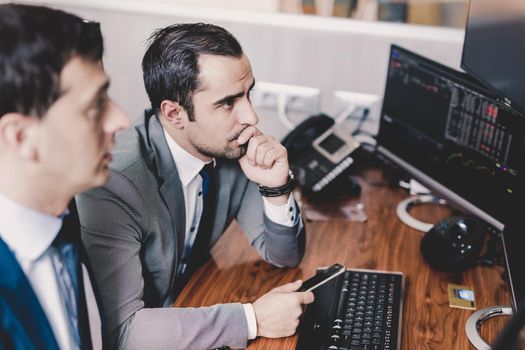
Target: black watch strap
<point>279,191</point>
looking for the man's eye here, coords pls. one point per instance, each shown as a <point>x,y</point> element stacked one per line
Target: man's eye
<point>227,105</point>
<point>100,106</point>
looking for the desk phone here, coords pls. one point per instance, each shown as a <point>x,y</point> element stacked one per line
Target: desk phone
<point>320,153</point>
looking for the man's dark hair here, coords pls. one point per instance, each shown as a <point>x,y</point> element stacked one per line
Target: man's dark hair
<point>170,65</point>
<point>35,44</point>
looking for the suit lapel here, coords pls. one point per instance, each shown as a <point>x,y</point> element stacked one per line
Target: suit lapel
<point>170,186</point>
<point>22,318</point>
<point>171,192</point>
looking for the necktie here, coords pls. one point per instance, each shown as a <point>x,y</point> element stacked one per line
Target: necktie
<point>207,180</point>
<point>66,262</point>
<point>199,251</point>
<point>64,259</point>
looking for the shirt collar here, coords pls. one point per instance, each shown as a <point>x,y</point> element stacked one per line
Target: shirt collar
<point>27,232</point>
<point>188,166</point>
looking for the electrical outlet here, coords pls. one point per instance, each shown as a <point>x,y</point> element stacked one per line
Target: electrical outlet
<point>291,98</point>
<point>345,102</point>
<point>348,104</point>
<point>343,99</point>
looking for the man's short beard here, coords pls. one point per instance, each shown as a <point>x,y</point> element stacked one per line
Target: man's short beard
<point>227,152</point>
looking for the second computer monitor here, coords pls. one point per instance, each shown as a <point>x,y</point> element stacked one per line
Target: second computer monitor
<point>451,134</point>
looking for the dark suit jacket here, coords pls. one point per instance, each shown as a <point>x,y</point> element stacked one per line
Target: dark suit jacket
<point>134,228</point>
<point>23,323</point>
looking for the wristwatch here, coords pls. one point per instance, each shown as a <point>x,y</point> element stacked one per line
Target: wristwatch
<point>279,191</point>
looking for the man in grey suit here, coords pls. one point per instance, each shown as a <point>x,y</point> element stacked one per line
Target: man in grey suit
<point>180,176</point>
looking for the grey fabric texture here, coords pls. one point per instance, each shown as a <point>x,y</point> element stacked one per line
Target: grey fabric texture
<point>133,229</point>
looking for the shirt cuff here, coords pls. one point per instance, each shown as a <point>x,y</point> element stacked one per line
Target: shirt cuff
<point>285,214</point>
<point>252,321</point>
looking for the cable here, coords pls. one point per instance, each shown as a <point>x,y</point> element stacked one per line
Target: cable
<point>346,114</point>
<point>364,116</point>
<point>282,102</point>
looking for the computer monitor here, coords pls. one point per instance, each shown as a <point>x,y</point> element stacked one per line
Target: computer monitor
<point>494,52</point>
<point>451,134</point>
<point>494,47</point>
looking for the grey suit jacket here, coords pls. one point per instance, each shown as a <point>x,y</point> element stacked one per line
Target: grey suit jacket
<point>133,229</point>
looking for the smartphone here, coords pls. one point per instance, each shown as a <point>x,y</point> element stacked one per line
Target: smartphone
<point>322,277</point>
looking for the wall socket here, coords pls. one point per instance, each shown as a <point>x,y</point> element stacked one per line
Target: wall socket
<point>346,103</point>
<point>295,98</point>
<point>343,99</point>
<point>288,101</point>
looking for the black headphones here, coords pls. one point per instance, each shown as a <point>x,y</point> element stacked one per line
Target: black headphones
<point>453,244</point>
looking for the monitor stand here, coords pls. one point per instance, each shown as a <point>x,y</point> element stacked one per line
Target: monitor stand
<point>477,318</point>
<point>405,205</point>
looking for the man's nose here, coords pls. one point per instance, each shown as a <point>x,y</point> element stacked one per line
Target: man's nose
<point>116,119</point>
<point>247,115</point>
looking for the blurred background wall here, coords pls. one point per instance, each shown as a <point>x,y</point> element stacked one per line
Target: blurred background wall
<point>325,52</point>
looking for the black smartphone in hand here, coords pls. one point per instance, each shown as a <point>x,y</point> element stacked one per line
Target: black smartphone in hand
<point>322,277</point>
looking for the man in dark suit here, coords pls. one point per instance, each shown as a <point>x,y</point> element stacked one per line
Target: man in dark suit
<point>56,130</point>
<point>189,167</point>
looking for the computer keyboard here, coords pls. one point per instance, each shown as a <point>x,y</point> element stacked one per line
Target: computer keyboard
<point>361,309</point>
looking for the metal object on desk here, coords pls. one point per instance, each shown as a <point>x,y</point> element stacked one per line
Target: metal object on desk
<point>405,205</point>
<point>475,321</point>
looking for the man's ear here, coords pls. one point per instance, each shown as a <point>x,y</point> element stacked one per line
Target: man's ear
<point>173,113</point>
<point>18,134</point>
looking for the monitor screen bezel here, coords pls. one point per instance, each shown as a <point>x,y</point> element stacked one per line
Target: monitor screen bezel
<point>479,77</point>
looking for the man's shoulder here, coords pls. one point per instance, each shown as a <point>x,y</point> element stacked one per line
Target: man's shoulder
<point>120,197</point>
<point>132,169</point>
<point>131,147</point>
<point>132,190</point>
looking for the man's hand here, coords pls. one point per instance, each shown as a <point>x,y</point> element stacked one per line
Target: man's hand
<point>265,161</point>
<point>278,311</point>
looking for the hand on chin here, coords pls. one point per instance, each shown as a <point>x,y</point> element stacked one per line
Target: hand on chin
<point>275,176</point>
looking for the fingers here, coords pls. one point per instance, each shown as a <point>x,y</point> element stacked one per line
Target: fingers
<point>269,158</point>
<point>247,134</point>
<point>288,287</point>
<point>265,161</point>
<point>302,297</point>
<point>264,151</point>
<point>278,312</point>
<point>306,297</point>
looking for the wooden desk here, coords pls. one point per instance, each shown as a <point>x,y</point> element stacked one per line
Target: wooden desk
<point>236,273</point>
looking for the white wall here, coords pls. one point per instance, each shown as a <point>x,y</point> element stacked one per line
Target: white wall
<point>328,53</point>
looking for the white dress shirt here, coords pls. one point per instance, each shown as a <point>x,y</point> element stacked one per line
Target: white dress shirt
<point>29,235</point>
<point>188,168</point>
